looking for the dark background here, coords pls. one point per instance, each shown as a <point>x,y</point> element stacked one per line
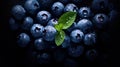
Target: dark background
<point>11,55</point>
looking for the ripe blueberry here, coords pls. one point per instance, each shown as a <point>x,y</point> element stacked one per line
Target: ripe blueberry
<point>43,17</point>
<point>37,30</point>
<point>84,12</point>
<point>53,22</point>
<point>57,8</point>
<point>85,25</point>
<point>27,23</point>
<point>23,40</point>
<point>71,7</point>
<point>90,39</point>
<point>18,12</point>
<point>66,42</point>
<point>32,6</point>
<point>100,20</point>
<point>76,36</point>
<point>49,33</point>
<point>39,44</point>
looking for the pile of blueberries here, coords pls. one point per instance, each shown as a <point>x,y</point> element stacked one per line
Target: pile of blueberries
<point>34,21</point>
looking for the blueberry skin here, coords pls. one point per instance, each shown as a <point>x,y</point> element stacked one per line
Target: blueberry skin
<point>18,12</point>
<point>66,42</point>
<point>37,30</point>
<point>72,27</point>
<point>71,7</point>
<point>84,12</point>
<point>91,54</point>
<point>100,20</point>
<point>53,22</point>
<point>75,51</point>
<point>90,39</point>
<point>39,44</point>
<point>31,6</point>
<point>85,25</point>
<point>27,23</point>
<point>59,55</point>
<point>99,4</point>
<point>57,8</point>
<point>76,36</point>
<point>13,24</point>
<point>43,17</point>
<point>43,58</point>
<point>23,40</point>
<point>49,33</point>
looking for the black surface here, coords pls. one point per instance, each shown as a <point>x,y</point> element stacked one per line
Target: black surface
<point>11,55</point>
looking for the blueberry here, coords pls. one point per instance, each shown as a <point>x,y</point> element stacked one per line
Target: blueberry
<point>49,33</point>
<point>18,12</point>
<point>53,22</point>
<point>76,35</point>
<point>100,20</point>
<point>39,44</point>
<point>43,17</point>
<point>37,30</point>
<point>59,55</point>
<point>70,63</point>
<point>99,4</point>
<point>57,8</point>
<point>84,12</point>
<point>90,39</point>
<point>66,42</point>
<point>75,51</point>
<point>27,23</point>
<point>13,24</point>
<point>71,7</point>
<point>71,28</point>
<point>43,58</point>
<point>23,40</point>
<point>31,6</point>
<point>85,25</point>
<point>91,54</point>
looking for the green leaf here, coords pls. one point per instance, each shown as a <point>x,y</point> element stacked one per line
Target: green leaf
<point>59,38</point>
<point>58,27</point>
<point>66,20</point>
